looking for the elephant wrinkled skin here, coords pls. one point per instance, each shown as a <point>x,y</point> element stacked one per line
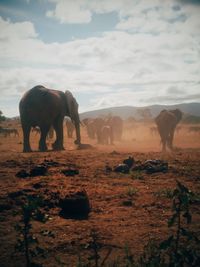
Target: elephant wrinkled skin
<point>44,108</point>
<point>166,122</point>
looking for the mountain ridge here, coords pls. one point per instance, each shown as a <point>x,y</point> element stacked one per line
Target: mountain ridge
<point>128,111</point>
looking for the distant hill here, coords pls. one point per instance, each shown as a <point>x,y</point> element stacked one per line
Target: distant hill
<point>127,111</point>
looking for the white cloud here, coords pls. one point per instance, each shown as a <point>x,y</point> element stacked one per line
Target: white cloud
<point>121,67</point>
<point>68,11</point>
<point>18,30</point>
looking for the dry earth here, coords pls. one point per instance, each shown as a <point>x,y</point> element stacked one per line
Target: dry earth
<point>116,224</point>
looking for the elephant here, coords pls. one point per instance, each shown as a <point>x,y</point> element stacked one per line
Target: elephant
<point>106,136</point>
<point>117,125</point>
<point>90,127</point>
<point>70,128</point>
<point>94,128</point>
<point>44,108</point>
<point>166,122</point>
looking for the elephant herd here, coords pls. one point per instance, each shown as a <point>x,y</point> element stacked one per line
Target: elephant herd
<point>105,130</point>
<point>46,108</point>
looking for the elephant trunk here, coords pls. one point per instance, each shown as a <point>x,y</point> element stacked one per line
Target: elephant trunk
<point>77,127</point>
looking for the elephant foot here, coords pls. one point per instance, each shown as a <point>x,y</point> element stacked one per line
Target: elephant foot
<point>57,147</point>
<point>27,150</point>
<point>43,148</point>
<point>77,142</point>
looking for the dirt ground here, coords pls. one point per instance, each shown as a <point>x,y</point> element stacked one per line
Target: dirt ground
<point>117,224</point>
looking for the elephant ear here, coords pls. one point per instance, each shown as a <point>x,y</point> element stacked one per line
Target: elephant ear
<point>178,114</point>
<point>71,104</point>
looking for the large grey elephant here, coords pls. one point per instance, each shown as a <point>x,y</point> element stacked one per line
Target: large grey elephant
<point>45,108</point>
<point>166,122</point>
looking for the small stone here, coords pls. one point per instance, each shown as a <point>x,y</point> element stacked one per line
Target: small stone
<point>22,174</point>
<point>38,170</point>
<point>123,168</point>
<point>70,172</point>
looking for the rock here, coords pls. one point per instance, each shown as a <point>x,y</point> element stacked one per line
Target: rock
<point>85,146</point>
<point>38,170</point>
<point>129,161</point>
<point>152,166</point>
<point>127,203</point>
<point>70,172</point>
<point>75,205</point>
<point>123,168</point>
<point>22,174</point>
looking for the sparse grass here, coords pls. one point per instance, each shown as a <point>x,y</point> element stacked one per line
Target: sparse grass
<point>164,193</point>
<point>137,175</point>
<point>131,191</point>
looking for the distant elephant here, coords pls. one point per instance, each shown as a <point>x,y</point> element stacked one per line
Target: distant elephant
<point>97,125</point>
<point>166,122</point>
<point>106,136</point>
<point>117,125</point>
<point>70,128</point>
<point>93,127</point>
<point>90,127</point>
<point>45,108</point>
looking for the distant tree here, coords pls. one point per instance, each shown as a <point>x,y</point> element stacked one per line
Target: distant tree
<point>2,118</point>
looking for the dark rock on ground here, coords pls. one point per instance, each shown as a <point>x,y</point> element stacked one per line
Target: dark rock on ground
<point>70,172</point>
<point>75,205</point>
<point>129,161</point>
<point>22,174</point>
<point>38,170</point>
<point>127,203</point>
<point>152,166</point>
<point>123,168</point>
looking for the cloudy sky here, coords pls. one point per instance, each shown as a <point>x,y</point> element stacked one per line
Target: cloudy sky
<point>107,52</point>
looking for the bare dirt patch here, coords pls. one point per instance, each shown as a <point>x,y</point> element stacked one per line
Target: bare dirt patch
<point>126,209</point>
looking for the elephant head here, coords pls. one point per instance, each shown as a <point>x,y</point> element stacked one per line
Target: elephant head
<point>72,112</point>
<point>178,114</point>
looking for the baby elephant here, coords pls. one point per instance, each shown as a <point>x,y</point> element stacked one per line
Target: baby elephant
<point>106,135</point>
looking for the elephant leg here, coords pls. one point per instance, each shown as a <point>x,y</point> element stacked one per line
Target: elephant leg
<point>163,136</point>
<point>98,137</point>
<point>170,139</point>
<point>26,136</point>
<point>43,136</point>
<point>58,126</point>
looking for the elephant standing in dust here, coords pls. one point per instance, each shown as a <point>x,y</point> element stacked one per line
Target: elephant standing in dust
<point>94,127</point>
<point>117,126</point>
<point>166,122</point>
<point>90,127</point>
<point>45,108</point>
<point>106,135</point>
<point>70,128</point>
